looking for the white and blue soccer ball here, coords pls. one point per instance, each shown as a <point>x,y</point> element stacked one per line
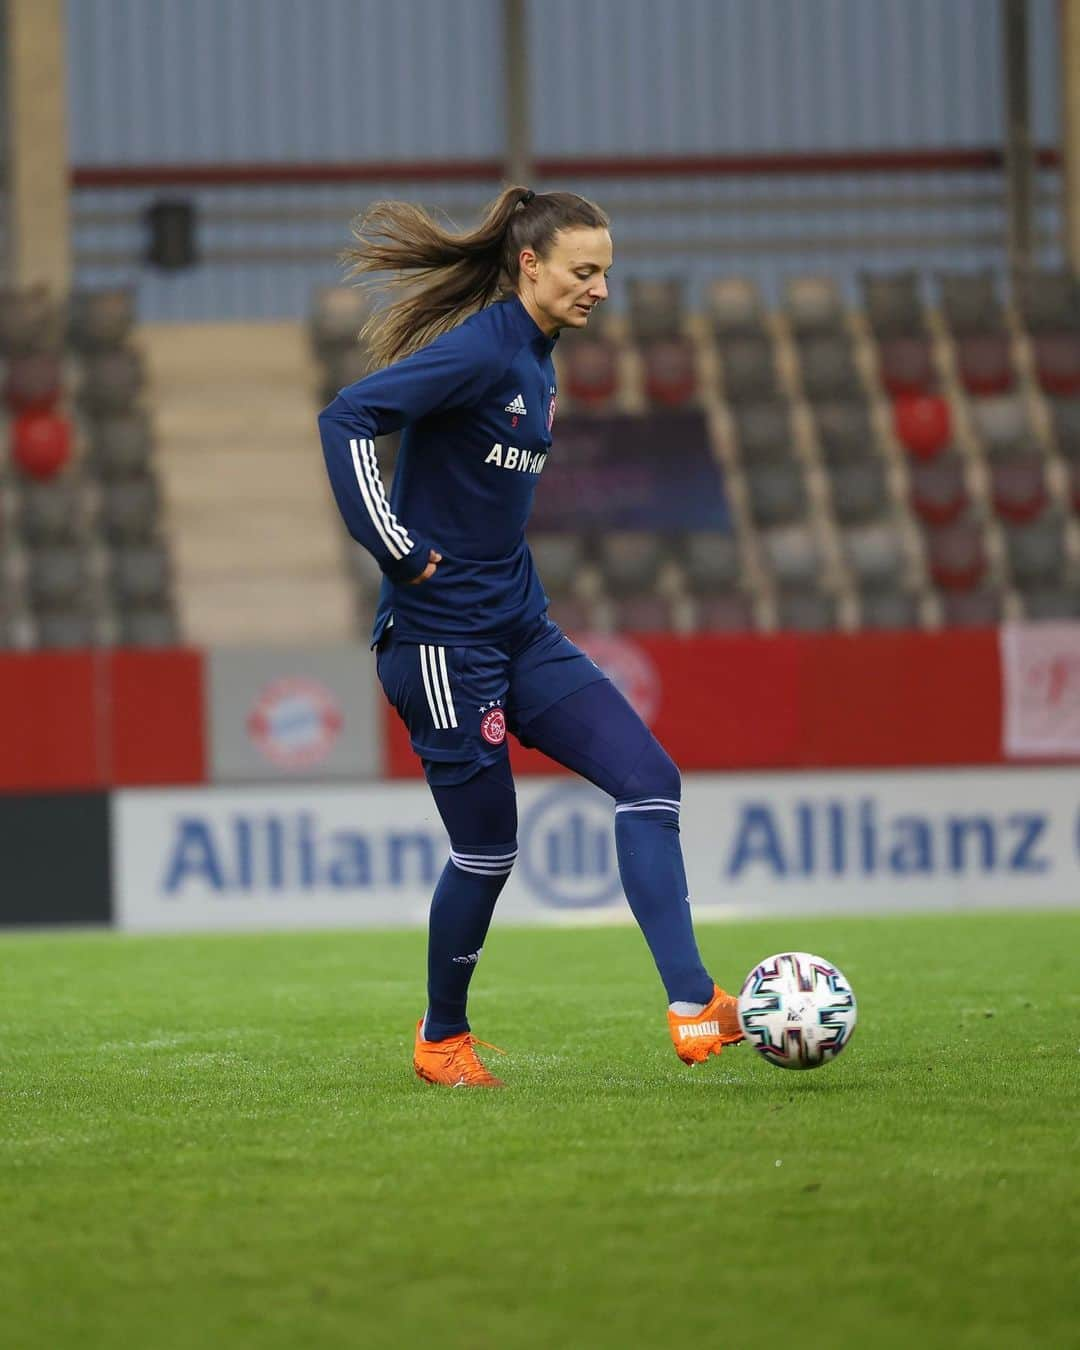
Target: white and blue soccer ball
<point>797,1010</point>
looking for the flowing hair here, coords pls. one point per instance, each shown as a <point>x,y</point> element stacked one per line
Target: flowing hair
<point>452,275</point>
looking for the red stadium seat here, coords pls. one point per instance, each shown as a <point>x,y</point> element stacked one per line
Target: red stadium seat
<point>957,556</point>
<point>984,363</point>
<point>922,424</point>
<point>41,443</point>
<point>670,372</point>
<point>1057,362</point>
<point>592,371</point>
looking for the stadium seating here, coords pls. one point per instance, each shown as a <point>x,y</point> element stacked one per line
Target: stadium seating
<point>970,303</point>
<point>893,304</point>
<point>85,544</point>
<point>884,469</point>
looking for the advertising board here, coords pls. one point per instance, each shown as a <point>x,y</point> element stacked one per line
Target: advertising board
<point>756,845</point>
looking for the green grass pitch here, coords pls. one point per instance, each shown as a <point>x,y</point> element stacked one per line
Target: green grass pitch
<point>219,1141</point>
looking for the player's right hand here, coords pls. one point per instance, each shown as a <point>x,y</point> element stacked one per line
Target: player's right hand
<point>433,561</point>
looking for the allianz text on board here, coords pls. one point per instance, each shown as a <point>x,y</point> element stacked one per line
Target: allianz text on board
<point>754,844</point>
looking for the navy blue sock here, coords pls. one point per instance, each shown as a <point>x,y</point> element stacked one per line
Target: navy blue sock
<point>484,807</point>
<point>597,733</point>
<point>654,879</point>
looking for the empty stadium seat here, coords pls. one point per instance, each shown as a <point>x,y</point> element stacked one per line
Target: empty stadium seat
<point>907,365</point>
<point>572,614</point>
<point>338,313</point>
<point>970,303</point>
<point>559,558</point>
<point>101,319</point>
<point>670,371</point>
<point>979,608</point>
<point>938,489</point>
<point>859,490</point>
<point>806,611</point>
<point>749,370</point>
<point>888,607</point>
<point>1057,362</point>
<point>813,305</point>
<point>844,431</point>
<point>139,575</point>
<point>1065,416</point>
<point>1018,486</point>
<point>111,381</point>
<point>827,366</point>
<point>874,552</point>
<point>642,614</point>
<point>892,302</point>
<point>1074,485</point>
<point>30,321</point>
<point>33,383</point>
<point>923,424</point>
<point>56,577</point>
<point>121,446</point>
<point>984,363</point>
<point>656,307</point>
<point>1001,423</point>
<point>149,627</point>
<point>1051,602</point>
<point>956,555</point>
<point>591,370</point>
<point>777,493</point>
<point>50,513</point>
<point>65,628</point>
<point>1036,552</point>
<point>130,510</point>
<point>729,612</point>
<point>1048,300</point>
<point>733,307</point>
<point>764,430</point>
<point>341,367</point>
<point>793,554</point>
<point>709,560</point>
<point>629,559</point>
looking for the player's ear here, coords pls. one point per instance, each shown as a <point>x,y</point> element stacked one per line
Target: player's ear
<point>529,263</point>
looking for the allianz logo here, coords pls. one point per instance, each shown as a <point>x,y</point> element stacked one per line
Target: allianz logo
<point>291,852</point>
<point>567,848</point>
<point>841,837</point>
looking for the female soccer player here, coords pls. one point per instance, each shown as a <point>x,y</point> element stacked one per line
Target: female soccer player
<point>465,650</point>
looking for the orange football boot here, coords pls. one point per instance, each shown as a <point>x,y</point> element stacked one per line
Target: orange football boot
<point>717,1025</point>
<point>453,1062</point>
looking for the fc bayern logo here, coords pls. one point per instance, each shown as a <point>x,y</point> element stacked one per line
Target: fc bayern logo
<point>493,727</point>
<point>295,723</point>
<point>629,668</point>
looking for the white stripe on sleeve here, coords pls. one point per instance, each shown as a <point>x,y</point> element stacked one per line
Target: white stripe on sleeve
<point>392,534</point>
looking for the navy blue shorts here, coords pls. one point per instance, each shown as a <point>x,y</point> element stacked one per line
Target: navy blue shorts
<point>459,702</point>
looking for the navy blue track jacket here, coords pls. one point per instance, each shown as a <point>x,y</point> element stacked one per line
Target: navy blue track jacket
<point>476,406</point>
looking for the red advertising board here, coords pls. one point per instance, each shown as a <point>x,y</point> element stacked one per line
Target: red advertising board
<point>118,718</point>
<point>797,701</point>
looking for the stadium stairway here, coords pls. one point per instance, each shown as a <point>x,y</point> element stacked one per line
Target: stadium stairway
<point>255,536</point>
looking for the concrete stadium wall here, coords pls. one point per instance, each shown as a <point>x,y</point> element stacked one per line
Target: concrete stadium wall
<point>361,81</point>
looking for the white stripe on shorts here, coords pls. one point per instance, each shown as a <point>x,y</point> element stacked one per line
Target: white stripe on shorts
<point>437,687</point>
